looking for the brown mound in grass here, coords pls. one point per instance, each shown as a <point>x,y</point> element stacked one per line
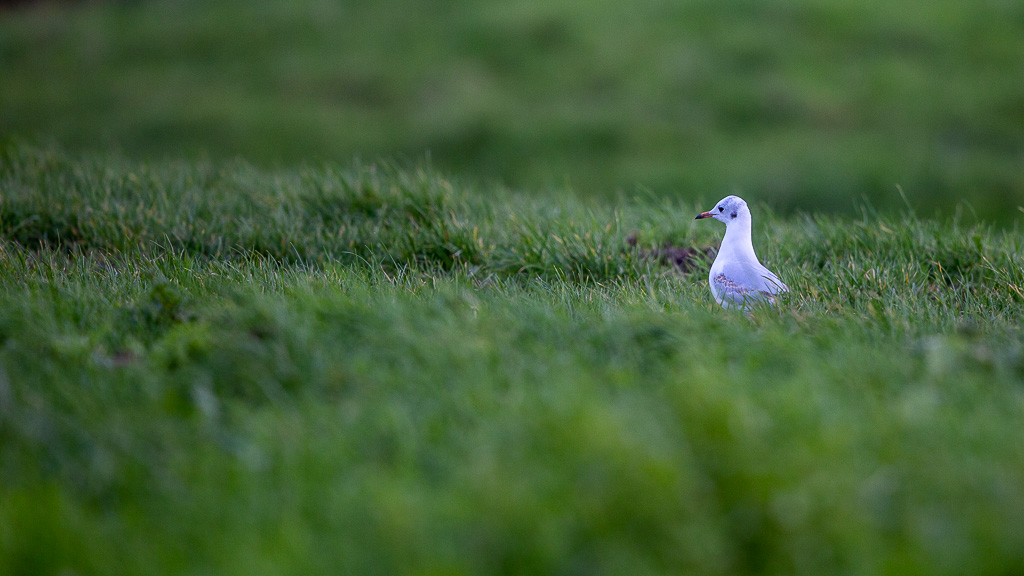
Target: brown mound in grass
<point>685,258</point>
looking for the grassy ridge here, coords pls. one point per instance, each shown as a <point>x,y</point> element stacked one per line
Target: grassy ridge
<point>369,370</point>
<point>812,104</point>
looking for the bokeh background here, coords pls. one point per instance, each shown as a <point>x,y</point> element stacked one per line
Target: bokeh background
<point>806,105</point>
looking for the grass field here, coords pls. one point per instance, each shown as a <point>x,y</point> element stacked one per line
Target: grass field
<point>809,105</point>
<point>212,368</point>
<point>311,287</point>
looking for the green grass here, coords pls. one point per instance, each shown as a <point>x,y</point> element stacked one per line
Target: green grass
<point>216,368</point>
<point>808,105</point>
<point>244,345</point>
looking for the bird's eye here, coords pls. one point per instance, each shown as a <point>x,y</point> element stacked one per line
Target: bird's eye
<point>721,208</point>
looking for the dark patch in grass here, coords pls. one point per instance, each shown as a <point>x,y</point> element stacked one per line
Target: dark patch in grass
<point>41,231</point>
<point>124,358</point>
<point>685,258</point>
<point>15,4</point>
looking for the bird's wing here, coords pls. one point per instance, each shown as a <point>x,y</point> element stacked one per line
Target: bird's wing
<point>742,283</point>
<point>727,289</point>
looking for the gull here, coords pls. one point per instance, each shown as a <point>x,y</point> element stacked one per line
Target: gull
<point>737,277</point>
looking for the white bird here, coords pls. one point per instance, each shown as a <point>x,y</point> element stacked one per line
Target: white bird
<point>737,277</point>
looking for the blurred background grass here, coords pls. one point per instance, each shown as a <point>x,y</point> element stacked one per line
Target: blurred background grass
<point>805,104</point>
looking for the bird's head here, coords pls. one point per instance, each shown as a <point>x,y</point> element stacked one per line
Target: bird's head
<point>727,210</point>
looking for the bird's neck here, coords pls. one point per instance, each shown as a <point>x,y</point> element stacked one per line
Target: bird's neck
<point>737,237</point>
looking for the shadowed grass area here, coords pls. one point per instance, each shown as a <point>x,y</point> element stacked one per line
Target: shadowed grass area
<point>808,104</point>
<point>216,368</point>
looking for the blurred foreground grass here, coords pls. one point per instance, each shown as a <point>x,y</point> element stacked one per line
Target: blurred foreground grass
<point>211,368</point>
<point>808,104</point>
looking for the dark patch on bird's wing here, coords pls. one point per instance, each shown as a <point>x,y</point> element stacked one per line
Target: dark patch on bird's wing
<point>726,284</point>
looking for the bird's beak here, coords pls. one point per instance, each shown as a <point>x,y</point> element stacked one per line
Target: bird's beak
<point>704,215</point>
